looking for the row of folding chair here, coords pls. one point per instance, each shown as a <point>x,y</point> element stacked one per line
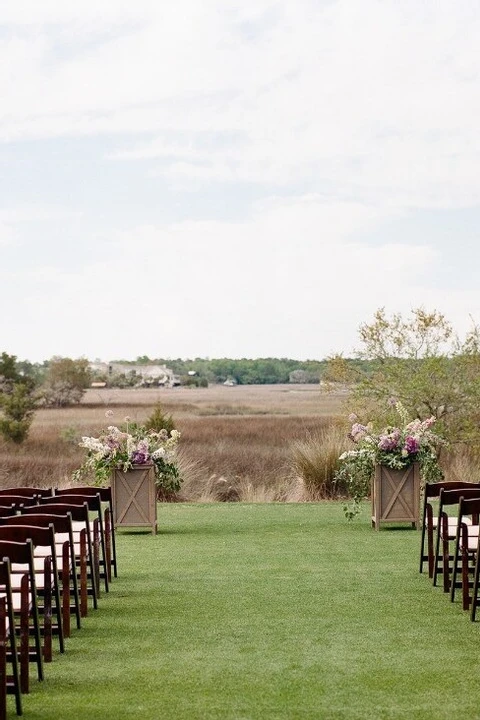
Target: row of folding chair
<point>450,542</point>
<point>99,499</point>
<point>57,548</point>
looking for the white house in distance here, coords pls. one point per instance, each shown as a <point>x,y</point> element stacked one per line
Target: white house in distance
<point>147,375</point>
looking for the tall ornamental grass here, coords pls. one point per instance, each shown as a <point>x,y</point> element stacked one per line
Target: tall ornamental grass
<point>315,460</point>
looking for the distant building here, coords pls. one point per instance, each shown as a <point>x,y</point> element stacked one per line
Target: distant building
<point>145,375</point>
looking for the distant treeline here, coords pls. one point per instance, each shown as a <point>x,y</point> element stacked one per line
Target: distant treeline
<point>203,371</point>
<point>244,371</point>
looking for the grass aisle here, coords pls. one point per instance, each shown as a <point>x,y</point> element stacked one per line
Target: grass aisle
<point>266,612</point>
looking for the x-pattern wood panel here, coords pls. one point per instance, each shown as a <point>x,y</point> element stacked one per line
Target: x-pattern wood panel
<point>131,497</point>
<point>397,493</point>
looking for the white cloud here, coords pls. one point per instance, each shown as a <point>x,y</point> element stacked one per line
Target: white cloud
<point>272,286</point>
<point>337,117</point>
<point>380,97</point>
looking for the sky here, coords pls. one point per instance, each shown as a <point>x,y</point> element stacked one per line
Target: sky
<point>243,179</point>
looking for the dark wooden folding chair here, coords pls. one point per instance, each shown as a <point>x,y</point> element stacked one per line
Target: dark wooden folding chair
<point>108,521</point>
<point>78,551</point>
<point>46,577</point>
<point>10,669</point>
<point>466,543</point>
<point>97,529</point>
<point>83,535</point>
<point>25,604</point>
<point>447,524</point>
<point>65,550</point>
<point>430,519</point>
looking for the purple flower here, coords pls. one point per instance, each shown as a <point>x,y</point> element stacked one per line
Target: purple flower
<point>139,458</point>
<point>411,445</point>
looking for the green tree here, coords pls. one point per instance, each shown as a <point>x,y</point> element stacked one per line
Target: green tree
<point>17,400</point>
<point>65,382</point>
<point>421,362</point>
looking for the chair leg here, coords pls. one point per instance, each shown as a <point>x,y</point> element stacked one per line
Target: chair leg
<point>436,561</point>
<point>83,575</point>
<point>24,649</point>
<point>3,658</point>
<point>430,544</point>
<point>66,590</point>
<point>446,563</point>
<point>473,610</point>
<point>465,579</point>
<point>96,560</point>
<point>455,563</point>
<point>47,612</point>
<point>108,544</point>
<point>114,545</point>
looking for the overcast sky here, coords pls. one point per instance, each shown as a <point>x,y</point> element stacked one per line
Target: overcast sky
<point>248,178</point>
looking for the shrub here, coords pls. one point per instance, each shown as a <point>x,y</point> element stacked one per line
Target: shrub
<point>18,407</point>
<point>315,460</point>
<point>158,420</point>
<point>66,381</point>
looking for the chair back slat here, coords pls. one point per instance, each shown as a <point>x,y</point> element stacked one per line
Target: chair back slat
<point>26,491</point>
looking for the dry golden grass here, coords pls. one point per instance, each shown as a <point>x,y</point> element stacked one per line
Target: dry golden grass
<point>248,443</point>
<point>236,441</point>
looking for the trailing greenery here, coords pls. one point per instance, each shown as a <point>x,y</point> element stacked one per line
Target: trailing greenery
<point>265,612</point>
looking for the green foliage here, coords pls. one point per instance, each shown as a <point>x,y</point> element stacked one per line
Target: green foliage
<point>159,421</point>
<point>356,476</point>
<point>420,362</point>
<point>17,400</point>
<point>8,367</point>
<point>18,407</point>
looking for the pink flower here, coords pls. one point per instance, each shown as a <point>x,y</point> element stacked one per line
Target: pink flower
<point>388,442</point>
<point>358,431</point>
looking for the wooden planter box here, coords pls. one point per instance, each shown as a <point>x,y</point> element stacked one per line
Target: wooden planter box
<point>134,496</point>
<point>396,496</point>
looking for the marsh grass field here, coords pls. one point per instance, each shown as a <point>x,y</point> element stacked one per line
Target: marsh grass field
<point>235,445</point>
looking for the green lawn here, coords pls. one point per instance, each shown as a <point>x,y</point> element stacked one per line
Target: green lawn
<point>266,612</point>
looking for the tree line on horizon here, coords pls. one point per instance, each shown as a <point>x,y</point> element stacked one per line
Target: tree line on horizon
<point>198,371</point>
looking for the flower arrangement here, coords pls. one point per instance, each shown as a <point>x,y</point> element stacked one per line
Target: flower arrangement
<point>130,447</point>
<point>396,447</point>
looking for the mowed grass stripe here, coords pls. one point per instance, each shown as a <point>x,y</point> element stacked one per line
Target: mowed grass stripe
<point>266,612</point>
